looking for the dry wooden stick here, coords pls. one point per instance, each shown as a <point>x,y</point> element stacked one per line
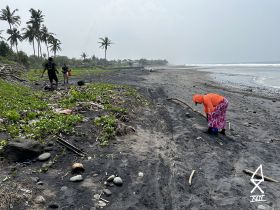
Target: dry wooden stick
<point>190,178</point>
<point>246,171</point>
<point>103,200</point>
<point>176,99</point>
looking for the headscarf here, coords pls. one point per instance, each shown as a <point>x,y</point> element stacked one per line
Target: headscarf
<point>198,99</point>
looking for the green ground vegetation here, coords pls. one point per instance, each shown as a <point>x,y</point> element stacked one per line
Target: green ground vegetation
<point>34,75</point>
<point>25,113</point>
<point>29,113</point>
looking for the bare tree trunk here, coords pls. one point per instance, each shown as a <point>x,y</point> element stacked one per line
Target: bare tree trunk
<point>17,48</point>
<point>105,54</point>
<point>38,48</point>
<point>47,49</point>
<point>33,48</point>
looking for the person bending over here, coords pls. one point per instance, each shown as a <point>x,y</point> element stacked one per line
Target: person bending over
<point>215,107</point>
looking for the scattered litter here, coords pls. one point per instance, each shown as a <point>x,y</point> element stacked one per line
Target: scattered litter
<point>190,178</point>
<point>26,191</point>
<point>199,138</point>
<point>63,111</point>
<point>140,174</point>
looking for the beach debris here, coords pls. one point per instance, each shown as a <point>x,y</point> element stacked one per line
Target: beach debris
<point>45,156</point>
<point>190,178</point>
<point>77,168</point>
<point>81,83</point>
<point>104,200</point>
<point>140,174</point>
<point>76,178</point>
<point>71,147</point>
<point>246,171</point>
<point>199,138</point>
<point>118,181</point>
<point>182,102</point>
<point>63,111</point>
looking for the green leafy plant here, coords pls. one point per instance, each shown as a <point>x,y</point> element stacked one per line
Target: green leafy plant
<point>108,124</point>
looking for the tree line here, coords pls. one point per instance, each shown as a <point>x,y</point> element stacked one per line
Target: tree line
<point>35,31</point>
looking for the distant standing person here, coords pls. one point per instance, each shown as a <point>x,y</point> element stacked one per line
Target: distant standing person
<point>50,66</point>
<point>65,71</point>
<point>215,107</point>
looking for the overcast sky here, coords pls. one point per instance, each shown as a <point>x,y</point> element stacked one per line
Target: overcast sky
<point>182,31</point>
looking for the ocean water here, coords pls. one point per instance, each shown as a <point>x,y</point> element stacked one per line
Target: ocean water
<point>252,75</point>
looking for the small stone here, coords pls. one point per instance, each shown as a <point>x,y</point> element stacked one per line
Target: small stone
<point>53,206</point>
<point>107,192</point>
<point>76,178</point>
<point>273,101</point>
<point>96,196</point>
<point>47,165</point>
<point>101,204</point>
<point>40,199</point>
<point>35,179</point>
<point>140,174</point>
<point>63,188</point>
<point>95,175</point>
<point>106,183</point>
<point>118,181</point>
<point>45,156</point>
<point>111,178</point>
<point>199,138</point>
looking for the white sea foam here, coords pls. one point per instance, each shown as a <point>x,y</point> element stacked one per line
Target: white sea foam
<point>259,75</point>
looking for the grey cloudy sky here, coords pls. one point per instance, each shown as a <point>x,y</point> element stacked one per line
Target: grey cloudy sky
<point>182,31</point>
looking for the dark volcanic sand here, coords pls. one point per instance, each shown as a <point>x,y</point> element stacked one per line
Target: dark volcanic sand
<point>166,148</point>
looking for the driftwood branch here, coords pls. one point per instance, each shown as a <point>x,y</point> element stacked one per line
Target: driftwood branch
<point>246,171</point>
<point>71,147</point>
<point>190,178</point>
<point>179,100</point>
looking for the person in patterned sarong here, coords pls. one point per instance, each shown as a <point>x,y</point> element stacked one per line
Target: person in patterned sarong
<point>215,107</point>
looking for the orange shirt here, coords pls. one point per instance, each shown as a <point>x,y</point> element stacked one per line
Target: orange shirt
<point>210,101</point>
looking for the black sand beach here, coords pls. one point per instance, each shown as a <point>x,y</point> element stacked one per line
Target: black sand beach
<point>170,141</point>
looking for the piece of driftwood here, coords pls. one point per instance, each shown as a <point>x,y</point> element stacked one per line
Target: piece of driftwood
<point>190,178</point>
<point>179,100</point>
<point>103,200</point>
<point>71,147</point>
<point>246,171</point>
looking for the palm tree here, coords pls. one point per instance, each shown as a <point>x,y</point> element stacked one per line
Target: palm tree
<point>1,37</point>
<point>10,17</point>
<point>105,43</point>
<point>37,18</point>
<point>45,36</point>
<point>30,34</point>
<point>54,44</point>
<point>84,55</point>
<point>14,37</point>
